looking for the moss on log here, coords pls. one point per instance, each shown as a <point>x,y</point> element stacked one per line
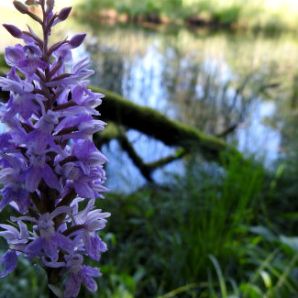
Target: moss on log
<point>111,132</point>
<point>115,132</point>
<point>152,123</point>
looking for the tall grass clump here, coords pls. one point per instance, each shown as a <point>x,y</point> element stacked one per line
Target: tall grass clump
<point>163,237</point>
<point>268,266</point>
<point>216,203</point>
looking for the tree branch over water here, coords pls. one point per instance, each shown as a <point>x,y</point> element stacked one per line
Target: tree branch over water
<point>154,124</point>
<point>115,132</point>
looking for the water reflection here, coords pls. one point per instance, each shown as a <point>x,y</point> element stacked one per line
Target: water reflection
<point>214,82</point>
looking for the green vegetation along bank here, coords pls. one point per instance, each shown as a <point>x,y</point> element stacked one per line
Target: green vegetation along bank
<point>268,15</point>
<point>211,233</point>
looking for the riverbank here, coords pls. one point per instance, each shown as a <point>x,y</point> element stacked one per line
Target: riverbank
<point>262,15</point>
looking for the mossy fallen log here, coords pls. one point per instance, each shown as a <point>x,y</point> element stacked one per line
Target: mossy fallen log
<point>115,132</point>
<point>154,124</point>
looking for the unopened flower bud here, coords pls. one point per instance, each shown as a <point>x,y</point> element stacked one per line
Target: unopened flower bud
<point>13,30</point>
<point>31,2</point>
<point>22,8</point>
<point>64,13</point>
<point>77,40</point>
<point>50,5</point>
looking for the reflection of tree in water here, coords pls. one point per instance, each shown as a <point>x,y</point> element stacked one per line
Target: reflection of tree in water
<point>200,94</point>
<point>198,97</point>
<point>202,98</point>
<point>109,69</point>
<point>288,123</point>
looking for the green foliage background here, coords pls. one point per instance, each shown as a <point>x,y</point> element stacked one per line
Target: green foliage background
<point>261,14</point>
<point>208,234</point>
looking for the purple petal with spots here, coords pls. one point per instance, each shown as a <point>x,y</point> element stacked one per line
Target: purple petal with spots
<point>64,243</point>
<point>84,190</point>
<point>95,247</point>
<point>50,177</point>
<point>34,248</point>
<point>90,283</point>
<point>73,286</point>
<point>33,177</point>
<point>94,272</point>
<point>50,248</point>
<point>8,263</point>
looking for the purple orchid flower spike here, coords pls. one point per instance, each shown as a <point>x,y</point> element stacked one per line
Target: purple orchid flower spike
<point>50,170</point>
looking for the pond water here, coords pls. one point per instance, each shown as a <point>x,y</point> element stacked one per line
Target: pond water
<point>213,81</point>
